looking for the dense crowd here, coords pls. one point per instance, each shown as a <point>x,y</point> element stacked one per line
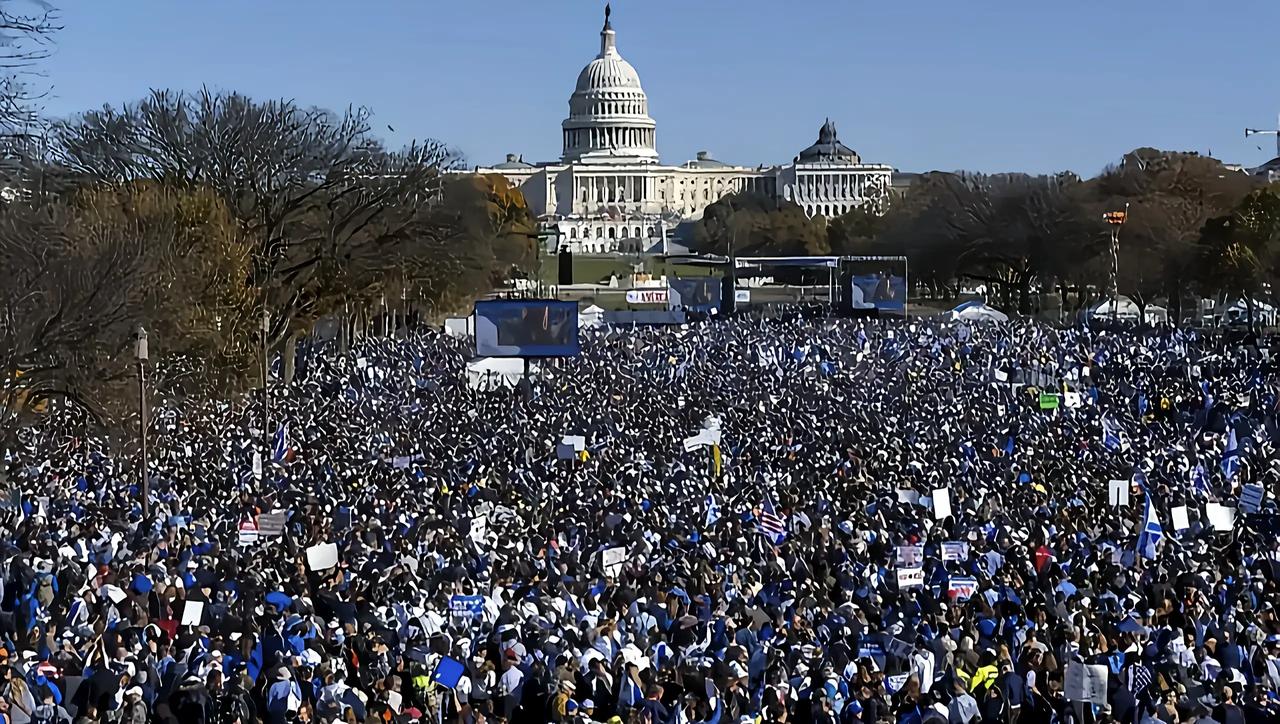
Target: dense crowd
<point>748,520</point>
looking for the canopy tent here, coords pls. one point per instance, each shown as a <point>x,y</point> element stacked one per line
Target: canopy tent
<point>592,316</point>
<point>1122,308</point>
<point>1237,312</point>
<point>490,372</point>
<point>1155,314</point>
<point>978,311</point>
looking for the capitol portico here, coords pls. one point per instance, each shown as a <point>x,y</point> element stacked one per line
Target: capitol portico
<point>609,192</point>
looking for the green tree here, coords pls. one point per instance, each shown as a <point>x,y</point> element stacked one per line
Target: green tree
<point>753,224</point>
<point>1240,253</point>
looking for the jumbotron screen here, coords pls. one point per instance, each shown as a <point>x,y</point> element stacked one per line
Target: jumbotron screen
<point>526,328</point>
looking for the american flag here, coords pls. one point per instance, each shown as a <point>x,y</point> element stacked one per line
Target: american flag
<point>771,525</point>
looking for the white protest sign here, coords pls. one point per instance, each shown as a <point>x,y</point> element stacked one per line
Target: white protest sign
<point>115,593</point>
<point>248,532</point>
<point>1085,682</point>
<point>1118,493</point>
<point>1180,519</point>
<point>192,612</point>
<point>908,496</point>
<point>955,550</point>
<point>910,578</point>
<point>941,503</point>
<point>999,376</point>
<point>1220,517</point>
<point>612,559</point>
<point>271,523</point>
<point>1071,399</point>
<point>322,557</point>
<point>962,588</point>
<point>908,556</point>
<point>577,442</point>
<point>479,528</point>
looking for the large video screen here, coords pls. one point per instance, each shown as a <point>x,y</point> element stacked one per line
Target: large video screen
<point>695,294</point>
<point>526,328</point>
<point>882,290</point>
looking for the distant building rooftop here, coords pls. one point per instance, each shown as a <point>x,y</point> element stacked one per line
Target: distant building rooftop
<point>513,163</point>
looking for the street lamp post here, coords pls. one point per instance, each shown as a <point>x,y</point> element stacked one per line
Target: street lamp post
<point>266,386</point>
<point>141,353</point>
<point>1115,219</point>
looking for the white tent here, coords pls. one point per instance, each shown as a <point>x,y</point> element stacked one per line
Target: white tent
<point>592,316</point>
<point>490,372</point>
<point>1122,308</point>
<point>978,311</point>
<point>1155,314</point>
<point>1237,312</point>
<point>460,326</point>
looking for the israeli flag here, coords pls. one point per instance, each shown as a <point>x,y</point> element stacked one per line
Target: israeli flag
<point>1231,456</point>
<point>1152,531</point>
<point>1200,481</point>
<point>1112,436</point>
<point>713,511</point>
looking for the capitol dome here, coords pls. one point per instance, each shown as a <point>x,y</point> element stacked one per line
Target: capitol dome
<point>609,111</point>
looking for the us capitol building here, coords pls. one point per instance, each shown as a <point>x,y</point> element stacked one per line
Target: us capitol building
<point>609,192</point>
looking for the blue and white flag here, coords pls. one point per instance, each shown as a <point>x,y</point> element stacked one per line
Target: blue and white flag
<point>1112,436</point>
<point>280,451</point>
<point>1140,479</point>
<point>771,525</point>
<point>1231,456</point>
<point>1152,532</point>
<point>1200,481</point>
<point>713,511</point>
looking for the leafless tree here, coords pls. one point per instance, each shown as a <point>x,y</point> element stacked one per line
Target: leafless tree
<point>67,308</point>
<point>329,211</point>
<point>26,38</point>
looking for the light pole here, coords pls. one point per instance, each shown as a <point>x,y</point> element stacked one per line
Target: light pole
<point>1263,132</point>
<point>141,353</point>
<point>1115,219</point>
<point>266,386</point>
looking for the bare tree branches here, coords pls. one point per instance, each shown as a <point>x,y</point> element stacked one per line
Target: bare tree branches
<point>27,28</point>
<point>329,211</point>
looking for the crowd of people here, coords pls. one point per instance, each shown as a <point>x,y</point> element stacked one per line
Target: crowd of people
<point>791,519</point>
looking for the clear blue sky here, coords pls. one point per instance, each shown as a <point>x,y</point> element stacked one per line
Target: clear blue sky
<point>926,84</point>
